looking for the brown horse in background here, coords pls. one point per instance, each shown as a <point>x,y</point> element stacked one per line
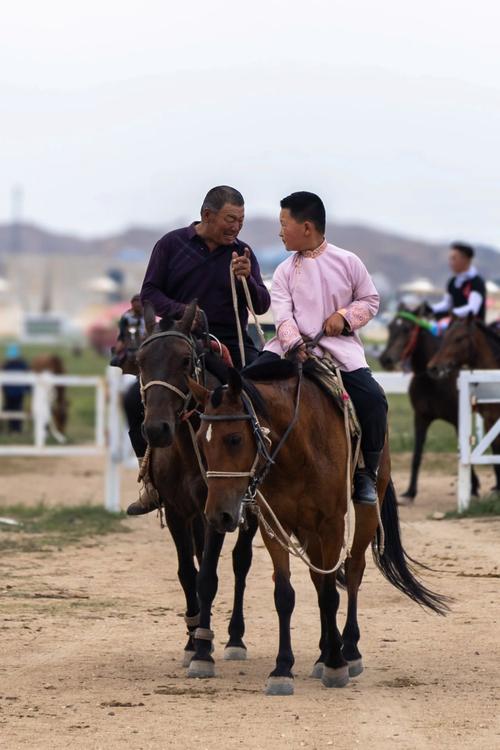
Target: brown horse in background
<point>59,405</point>
<point>470,343</point>
<point>431,399</point>
<point>306,488</point>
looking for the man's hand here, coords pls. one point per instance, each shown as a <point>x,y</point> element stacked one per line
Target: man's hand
<point>241,264</point>
<point>198,322</point>
<point>334,325</point>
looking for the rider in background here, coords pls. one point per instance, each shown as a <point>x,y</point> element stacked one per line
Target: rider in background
<point>132,319</point>
<point>466,290</point>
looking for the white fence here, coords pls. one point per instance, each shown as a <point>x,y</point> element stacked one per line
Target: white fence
<point>475,387</point>
<point>42,385</point>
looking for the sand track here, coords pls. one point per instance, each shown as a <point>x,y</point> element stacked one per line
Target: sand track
<point>91,639</point>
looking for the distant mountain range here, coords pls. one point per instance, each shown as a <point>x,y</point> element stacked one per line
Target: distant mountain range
<point>398,259</point>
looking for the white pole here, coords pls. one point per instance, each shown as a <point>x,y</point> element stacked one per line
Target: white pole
<point>100,410</point>
<point>464,434</point>
<point>114,451</point>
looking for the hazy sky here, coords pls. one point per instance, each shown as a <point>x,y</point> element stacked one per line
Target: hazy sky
<point>118,112</point>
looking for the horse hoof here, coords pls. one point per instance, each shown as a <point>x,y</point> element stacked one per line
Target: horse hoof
<point>235,653</point>
<point>355,667</point>
<point>201,669</point>
<point>186,658</point>
<point>335,678</point>
<point>279,686</point>
<point>317,670</point>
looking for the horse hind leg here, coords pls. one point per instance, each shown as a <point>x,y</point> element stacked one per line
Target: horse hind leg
<point>314,552</point>
<point>336,669</point>
<point>235,649</point>
<point>351,633</point>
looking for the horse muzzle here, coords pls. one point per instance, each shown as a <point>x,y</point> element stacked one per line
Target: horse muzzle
<point>159,433</point>
<point>223,520</point>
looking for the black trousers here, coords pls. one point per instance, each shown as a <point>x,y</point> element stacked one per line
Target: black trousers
<point>371,407</point>
<point>132,404</point>
<point>369,401</point>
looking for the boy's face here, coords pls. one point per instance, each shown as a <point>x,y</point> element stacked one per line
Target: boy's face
<point>295,235</point>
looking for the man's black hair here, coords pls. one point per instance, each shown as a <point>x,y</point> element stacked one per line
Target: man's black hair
<point>218,196</point>
<point>463,248</point>
<point>304,206</point>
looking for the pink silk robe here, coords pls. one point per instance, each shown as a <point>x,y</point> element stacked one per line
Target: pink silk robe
<point>308,287</point>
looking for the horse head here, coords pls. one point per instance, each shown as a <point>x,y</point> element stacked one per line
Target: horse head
<point>403,331</point>
<point>227,441</point>
<point>466,343</point>
<point>165,360</point>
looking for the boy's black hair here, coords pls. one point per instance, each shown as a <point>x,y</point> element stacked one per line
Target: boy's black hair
<point>304,206</point>
<point>466,250</point>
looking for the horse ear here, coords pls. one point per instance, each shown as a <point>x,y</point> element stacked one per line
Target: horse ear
<point>401,307</point>
<point>234,383</point>
<point>200,393</point>
<point>186,322</point>
<point>149,317</point>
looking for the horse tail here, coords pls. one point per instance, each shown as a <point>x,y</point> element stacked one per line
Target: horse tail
<point>396,565</point>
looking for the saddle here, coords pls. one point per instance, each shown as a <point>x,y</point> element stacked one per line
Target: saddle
<point>326,376</point>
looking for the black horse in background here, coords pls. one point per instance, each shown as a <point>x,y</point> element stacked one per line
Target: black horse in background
<point>413,346</point>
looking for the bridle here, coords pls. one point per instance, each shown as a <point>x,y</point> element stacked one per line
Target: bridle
<point>263,443</point>
<point>197,369</point>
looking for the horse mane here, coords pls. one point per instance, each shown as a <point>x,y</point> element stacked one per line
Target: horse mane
<point>250,390</point>
<point>492,338</point>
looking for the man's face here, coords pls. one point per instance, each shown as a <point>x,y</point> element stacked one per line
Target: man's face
<point>224,226</point>
<point>457,261</point>
<point>294,234</point>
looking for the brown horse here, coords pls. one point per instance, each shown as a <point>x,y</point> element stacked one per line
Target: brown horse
<point>469,343</point>
<point>411,343</point>
<point>167,357</point>
<point>306,487</point>
<point>59,405</point>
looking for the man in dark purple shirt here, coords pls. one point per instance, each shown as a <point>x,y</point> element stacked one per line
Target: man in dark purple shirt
<point>194,263</point>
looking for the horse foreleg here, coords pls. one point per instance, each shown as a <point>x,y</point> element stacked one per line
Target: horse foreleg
<point>187,576</point>
<point>242,560</point>
<point>202,663</point>
<point>280,681</point>
<point>421,425</point>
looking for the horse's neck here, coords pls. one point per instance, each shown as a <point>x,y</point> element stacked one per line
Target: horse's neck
<point>426,347</point>
<point>483,357</point>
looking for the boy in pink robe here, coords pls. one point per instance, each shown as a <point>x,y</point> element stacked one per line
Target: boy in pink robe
<point>322,287</point>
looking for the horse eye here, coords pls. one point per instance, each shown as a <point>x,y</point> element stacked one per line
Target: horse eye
<point>232,440</point>
<point>186,362</point>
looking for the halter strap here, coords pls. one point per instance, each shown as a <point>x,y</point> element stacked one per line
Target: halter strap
<point>165,334</point>
<point>164,384</point>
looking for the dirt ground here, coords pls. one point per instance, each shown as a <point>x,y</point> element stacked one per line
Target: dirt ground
<point>91,639</point>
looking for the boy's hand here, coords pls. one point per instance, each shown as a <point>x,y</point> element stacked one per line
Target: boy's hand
<point>334,325</point>
<point>241,264</point>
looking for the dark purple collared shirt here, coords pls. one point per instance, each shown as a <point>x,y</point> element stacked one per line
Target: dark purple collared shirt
<point>182,268</point>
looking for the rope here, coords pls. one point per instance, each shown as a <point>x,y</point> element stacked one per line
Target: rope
<point>250,306</point>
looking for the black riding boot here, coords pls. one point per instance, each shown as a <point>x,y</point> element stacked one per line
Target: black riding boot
<point>365,480</point>
<point>149,498</point>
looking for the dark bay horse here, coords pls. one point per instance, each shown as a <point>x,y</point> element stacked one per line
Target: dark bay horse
<point>306,488</point>
<point>469,343</point>
<point>166,359</point>
<point>411,342</point>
